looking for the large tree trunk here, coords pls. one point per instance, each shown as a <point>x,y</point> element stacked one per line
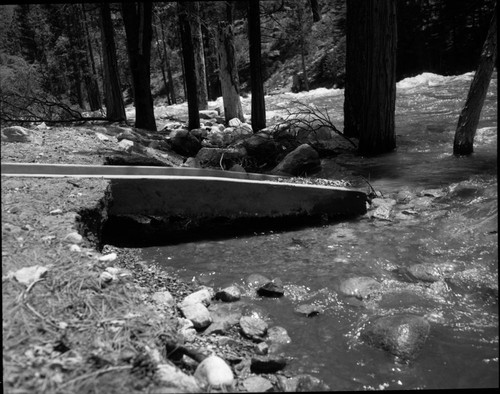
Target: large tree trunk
<point>115,109</point>
<point>228,72</point>
<point>370,91</point>
<point>256,82</point>
<point>183,11</point>
<point>469,117</point>
<point>199,57</point>
<point>138,28</point>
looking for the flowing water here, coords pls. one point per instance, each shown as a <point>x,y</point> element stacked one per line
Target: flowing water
<point>462,348</point>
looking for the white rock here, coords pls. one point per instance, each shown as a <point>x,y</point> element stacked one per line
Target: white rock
<point>73,238</point>
<point>74,248</point>
<point>214,371</point>
<point>42,126</point>
<point>198,314</point>
<point>108,257</point>
<point>126,145</point>
<point>56,212</point>
<point>235,122</point>
<point>170,375</point>
<point>28,275</point>
<point>202,296</point>
<point>102,137</point>
<point>16,134</point>
<point>107,277</point>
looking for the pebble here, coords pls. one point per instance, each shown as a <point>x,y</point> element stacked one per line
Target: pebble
<point>214,371</point>
<point>56,212</point>
<point>228,294</point>
<point>163,299</point>
<point>108,257</point>
<point>74,248</point>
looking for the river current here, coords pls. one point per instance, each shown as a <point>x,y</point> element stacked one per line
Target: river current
<point>462,349</point>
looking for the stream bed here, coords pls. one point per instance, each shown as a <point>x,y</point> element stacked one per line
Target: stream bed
<point>455,224</point>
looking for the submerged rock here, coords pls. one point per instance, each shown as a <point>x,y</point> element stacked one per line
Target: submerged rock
<point>308,310</point>
<point>359,287</point>
<point>273,288</point>
<point>256,280</point>
<point>401,335</point>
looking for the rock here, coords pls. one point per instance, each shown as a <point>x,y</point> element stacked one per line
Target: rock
<point>261,146</point>
<point>128,134</point>
<point>304,159</point>
<point>202,296</point>
<point>199,133</point>
<point>197,313</point>
<point>272,289</point>
<point>126,145</point>
<point>400,335</point>
<point>359,287</point>
<point>42,126</point>
<point>106,278</point>
<point>16,134</point>
<point>479,281</point>
<point>426,272</point>
<point>235,122</point>
<point>262,348</point>
<point>185,143</point>
<point>171,376</point>
<point>256,280</point>
<point>267,364</point>
<point>102,137</point>
<point>192,162</point>
<point>186,329</point>
<point>237,168</point>
<point>28,275</point>
<point>132,160</point>
<point>278,335</point>
<point>163,299</point>
<point>228,294</point>
<point>255,311</point>
<point>73,238</point>
<point>208,114</point>
<point>245,129</point>
<point>108,257</point>
<point>56,212</point>
<point>217,128</point>
<point>253,327</point>
<point>214,372</point>
<point>257,384</point>
<point>308,310</point>
<point>301,383</point>
<point>381,208</point>
<point>211,157</point>
<point>74,248</point>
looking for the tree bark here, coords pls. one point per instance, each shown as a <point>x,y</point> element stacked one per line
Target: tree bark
<point>92,85</point>
<point>370,91</point>
<point>183,10</point>
<point>256,82</point>
<point>137,18</point>
<point>115,109</point>
<point>315,10</point>
<point>199,57</point>
<point>167,60</point>
<point>469,117</point>
<point>228,72</point>
<point>161,57</point>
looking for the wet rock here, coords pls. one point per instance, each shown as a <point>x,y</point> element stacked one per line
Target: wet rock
<point>478,281</point>
<point>267,364</point>
<point>255,311</point>
<point>16,134</point>
<point>257,384</point>
<point>400,335</point>
<point>381,208</point>
<point>359,287</point>
<point>308,310</point>
<point>301,383</point>
<point>303,159</point>
<point>171,376</point>
<point>163,299</point>
<point>256,280</point>
<point>197,313</point>
<point>278,335</point>
<point>272,289</point>
<point>427,272</point>
<point>214,372</point>
<point>253,327</point>
<point>223,318</point>
<point>202,296</point>
<point>185,143</point>
<point>228,294</point>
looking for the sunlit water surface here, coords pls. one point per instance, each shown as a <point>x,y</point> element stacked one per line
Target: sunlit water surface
<point>462,349</point>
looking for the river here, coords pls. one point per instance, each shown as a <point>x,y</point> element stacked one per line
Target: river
<point>462,348</point>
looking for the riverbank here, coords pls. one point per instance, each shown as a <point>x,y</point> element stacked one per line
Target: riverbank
<point>76,319</point>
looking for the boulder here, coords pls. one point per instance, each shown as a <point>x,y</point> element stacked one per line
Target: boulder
<point>426,272</point>
<point>192,162</point>
<point>211,157</point>
<point>185,143</point>
<point>261,146</point>
<point>202,296</point>
<point>214,372</point>
<point>401,335</point>
<point>198,314</point>
<point>16,134</point>
<point>359,287</point>
<point>228,294</point>
<point>253,327</point>
<point>304,159</point>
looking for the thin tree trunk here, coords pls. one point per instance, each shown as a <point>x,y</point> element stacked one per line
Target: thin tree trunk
<point>370,91</point>
<point>303,50</point>
<point>161,58</point>
<point>184,9</point>
<point>115,108</point>
<point>92,85</point>
<point>256,82</point>
<point>228,73</point>
<point>137,18</point>
<point>469,117</point>
<point>167,60</point>
<point>315,10</point>
<point>199,57</point>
